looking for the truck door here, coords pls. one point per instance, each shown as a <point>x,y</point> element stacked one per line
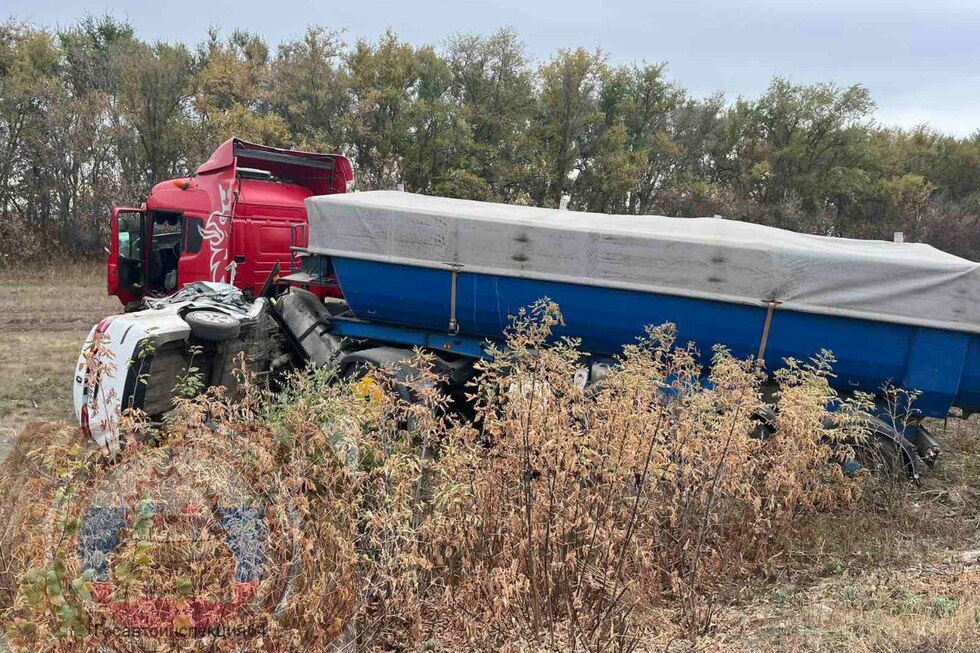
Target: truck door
<point>127,266</point>
<point>194,253</point>
<point>260,243</point>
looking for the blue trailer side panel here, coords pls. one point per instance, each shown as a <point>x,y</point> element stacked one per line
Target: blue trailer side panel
<point>869,354</point>
<point>968,396</point>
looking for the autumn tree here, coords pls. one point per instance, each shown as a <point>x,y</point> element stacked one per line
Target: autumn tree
<point>91,115</point>
<point>232,92</point>
<point>566,116</point>
<point>381,83</point>
<point>309,89</point>
<point>493,92</point>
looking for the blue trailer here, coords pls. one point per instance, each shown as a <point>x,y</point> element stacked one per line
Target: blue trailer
<point>448,274</point>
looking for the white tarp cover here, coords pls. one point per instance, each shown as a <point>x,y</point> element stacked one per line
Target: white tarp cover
<point>709,258</point>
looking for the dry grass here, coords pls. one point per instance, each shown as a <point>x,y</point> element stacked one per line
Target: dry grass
<point>918,609</point>
<point>902,578</point>
<point>44,317</point>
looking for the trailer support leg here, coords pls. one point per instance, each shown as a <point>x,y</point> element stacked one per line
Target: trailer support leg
<point>761,357</point>
<point>453,324</point>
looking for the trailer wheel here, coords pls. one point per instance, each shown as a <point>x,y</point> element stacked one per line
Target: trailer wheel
<point>885,451</point>
<point>212,325</point>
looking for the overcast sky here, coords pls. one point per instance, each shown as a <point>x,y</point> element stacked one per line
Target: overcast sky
<point>920,58</point>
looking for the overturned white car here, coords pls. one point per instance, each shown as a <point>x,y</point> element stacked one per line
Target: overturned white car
<point>135,360</point>
<point>142,360</point>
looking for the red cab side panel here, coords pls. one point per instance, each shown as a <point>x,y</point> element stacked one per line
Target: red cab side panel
<point>265,216</point>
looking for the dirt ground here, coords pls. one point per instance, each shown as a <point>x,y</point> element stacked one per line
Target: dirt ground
<point>899,573</point>
<point>44,318</point>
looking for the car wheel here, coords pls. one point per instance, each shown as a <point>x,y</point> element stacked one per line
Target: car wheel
<point>212,325</point>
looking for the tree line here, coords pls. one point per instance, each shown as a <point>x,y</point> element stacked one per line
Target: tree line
<point>91,116</point>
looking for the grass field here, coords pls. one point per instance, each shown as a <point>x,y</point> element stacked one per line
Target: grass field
<point>44,318</point>
<point>901,572</point>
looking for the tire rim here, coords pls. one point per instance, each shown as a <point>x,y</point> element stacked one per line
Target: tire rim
<point>213,317</point>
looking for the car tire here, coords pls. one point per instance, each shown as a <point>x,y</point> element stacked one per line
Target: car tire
<point>212,325</point>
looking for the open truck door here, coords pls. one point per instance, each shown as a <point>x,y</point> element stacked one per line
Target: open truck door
<point>127,265</point>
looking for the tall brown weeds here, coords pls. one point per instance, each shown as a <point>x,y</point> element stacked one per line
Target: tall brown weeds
<point>580,507</point>
<point>562,517</point>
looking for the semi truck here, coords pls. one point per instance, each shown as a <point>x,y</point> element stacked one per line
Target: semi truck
<point>232,221</point>
<point>445,275</point>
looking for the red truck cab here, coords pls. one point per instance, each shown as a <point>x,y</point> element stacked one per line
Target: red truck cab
<point>232,221</point>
